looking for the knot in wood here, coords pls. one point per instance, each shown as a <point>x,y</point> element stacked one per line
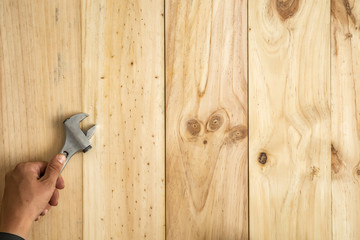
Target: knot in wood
<point>193,126</point>
<point>287,8</point>
<point>336,162</point>
<point>262,158</point>
<point>215,122</point>
<point>238,133</point>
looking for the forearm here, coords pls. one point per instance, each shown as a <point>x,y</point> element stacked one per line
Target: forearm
<point>16,225</point>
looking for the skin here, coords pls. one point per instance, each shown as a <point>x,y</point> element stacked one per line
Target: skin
<point>30,191</point>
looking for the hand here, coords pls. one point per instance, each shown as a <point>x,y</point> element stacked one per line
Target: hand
<point>30,191</point>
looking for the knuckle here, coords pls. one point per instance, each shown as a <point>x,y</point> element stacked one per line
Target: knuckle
<point>20,166</point>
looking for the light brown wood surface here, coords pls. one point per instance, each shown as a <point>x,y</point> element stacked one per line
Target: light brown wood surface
<point>180,91</point>
<point>60,58</point>
<point>123,91</point>
<point>206,120</point>
<point>289,120</point>
<point>40,85</point>
<point>345,118</point>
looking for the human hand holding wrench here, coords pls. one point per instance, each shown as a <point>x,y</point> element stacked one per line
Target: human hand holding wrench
<point>33,187</point>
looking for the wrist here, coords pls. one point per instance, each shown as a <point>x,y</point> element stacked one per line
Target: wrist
<point>17,226</point>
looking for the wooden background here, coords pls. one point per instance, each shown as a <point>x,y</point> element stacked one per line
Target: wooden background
<point>216,119</point>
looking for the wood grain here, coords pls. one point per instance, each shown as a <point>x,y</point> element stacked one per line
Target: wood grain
<point>40,85</point>
<point>123,91</point>
<point>345,118</point>
<point>107,58</point>
<point>206,120</point>
<point>289,115</point>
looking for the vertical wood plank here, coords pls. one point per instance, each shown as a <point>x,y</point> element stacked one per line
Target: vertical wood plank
<point>40,59</point>
<point>289,132</point>
<point>345,118</point>
<point>206,120</point>
<point>123,91</point>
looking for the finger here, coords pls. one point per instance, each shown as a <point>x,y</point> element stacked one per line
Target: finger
<point>60,184</point>
<point>53,169</point>
<point>45,210</point>
<point>54,198</point>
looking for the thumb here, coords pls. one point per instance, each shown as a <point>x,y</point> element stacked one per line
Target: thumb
<point>54,167</point>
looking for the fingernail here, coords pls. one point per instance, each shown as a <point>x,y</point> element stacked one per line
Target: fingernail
<point>61,158</point>
<point>45,211</point>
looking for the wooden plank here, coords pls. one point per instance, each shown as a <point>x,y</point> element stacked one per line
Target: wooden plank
<point>40,59</point>
<point>345,118</point>
<point>123,91</point>
<point>206,120</point>
<point>289,103</point>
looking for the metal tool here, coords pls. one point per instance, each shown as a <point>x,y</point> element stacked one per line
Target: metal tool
<point>76,140</point>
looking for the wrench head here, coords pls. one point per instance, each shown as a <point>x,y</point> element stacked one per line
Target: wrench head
<point>76,139</point>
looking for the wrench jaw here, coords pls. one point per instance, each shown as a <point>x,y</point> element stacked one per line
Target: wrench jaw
<point>77,118</point>
<point>90,132</point>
